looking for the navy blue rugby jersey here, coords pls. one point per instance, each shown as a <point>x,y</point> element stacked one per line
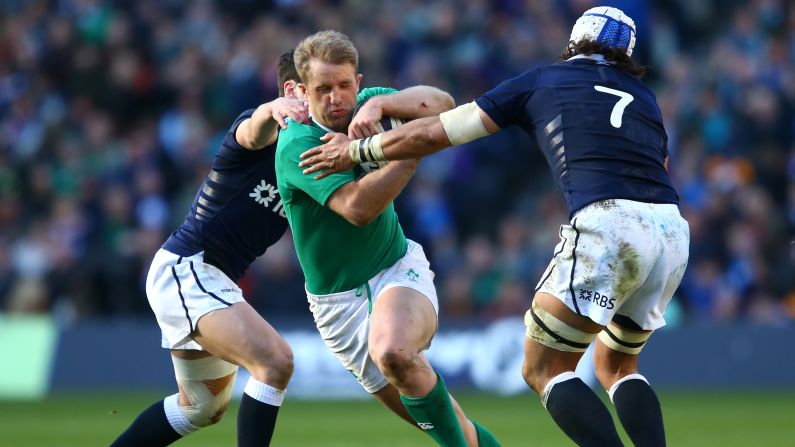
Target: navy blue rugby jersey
<point>599,128</point>
<point>237,213</point>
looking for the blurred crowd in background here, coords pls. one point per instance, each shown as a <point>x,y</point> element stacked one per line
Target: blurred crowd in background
<point>110,113</point>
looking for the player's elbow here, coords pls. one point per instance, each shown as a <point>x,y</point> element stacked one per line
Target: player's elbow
<point>436,102</point>
<point>360,217</point>
<point>446,102</point>
<point>354,205</point>
<point>255,142</point>
<point>359,211</point>
<point>442,102</point>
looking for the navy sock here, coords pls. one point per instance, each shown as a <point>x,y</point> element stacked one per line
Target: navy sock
<point>150,429</point>
<point>581,414</point>
<point>255,422</point>
<point>639,412</point>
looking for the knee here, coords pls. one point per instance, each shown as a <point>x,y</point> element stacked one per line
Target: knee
<point>605,372</point>
<point>611,366</point>
<point>533,375</point>
<point>206,412</point>
<point>276,368</point>
<point>204,402</point>
<point>608,373</point>
<point>283,363</point>
<point>537,372</point>
<point>394,361</point>
<point>205,388</point>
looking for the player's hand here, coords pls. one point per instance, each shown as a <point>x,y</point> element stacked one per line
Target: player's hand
<point>329,158</point>
<point>283,108</point>
<point>364,123</point>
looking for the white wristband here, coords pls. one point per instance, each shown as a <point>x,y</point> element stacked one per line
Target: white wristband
<point>376,150</point>
<point>368,149</point>
<point>353,151</point>
<point>463,124</point>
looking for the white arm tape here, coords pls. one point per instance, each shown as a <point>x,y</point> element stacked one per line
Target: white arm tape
<point>463,124</point>
<point>375,148</point>
<point>366,149</point>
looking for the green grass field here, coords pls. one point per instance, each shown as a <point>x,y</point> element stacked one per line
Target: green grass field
<point>692,419</point>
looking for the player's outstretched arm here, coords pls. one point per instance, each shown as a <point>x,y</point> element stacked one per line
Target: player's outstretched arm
<point>414,139</point>
<point>414,102</point>
<point>262,128</point>
<point>362,201</point>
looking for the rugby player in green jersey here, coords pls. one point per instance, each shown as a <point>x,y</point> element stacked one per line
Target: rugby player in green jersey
<point>370,289</point>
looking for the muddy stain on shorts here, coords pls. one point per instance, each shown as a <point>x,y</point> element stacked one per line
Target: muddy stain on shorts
<point>606,205</point>
<point>628,271</point>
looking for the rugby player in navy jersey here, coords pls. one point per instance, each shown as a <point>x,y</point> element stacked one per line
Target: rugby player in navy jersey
<point>208,326</point>
<point>624,251</point>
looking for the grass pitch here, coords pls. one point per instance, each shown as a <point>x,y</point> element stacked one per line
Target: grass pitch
<point>700,419</point>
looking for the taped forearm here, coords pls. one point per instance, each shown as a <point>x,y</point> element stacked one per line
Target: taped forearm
<point>414,139</point>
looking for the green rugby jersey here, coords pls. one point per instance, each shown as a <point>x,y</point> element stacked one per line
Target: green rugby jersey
<point>335,255</point>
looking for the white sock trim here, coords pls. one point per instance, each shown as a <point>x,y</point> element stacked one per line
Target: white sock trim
<point>562,377</point>
<point>176,417</point>
<point>613,388</point>
<point>263,392</point>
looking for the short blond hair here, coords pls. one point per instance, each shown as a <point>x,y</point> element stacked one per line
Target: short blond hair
<point>328,46</point>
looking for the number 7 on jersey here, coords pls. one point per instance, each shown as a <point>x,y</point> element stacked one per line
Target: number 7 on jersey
<point>618,109</point>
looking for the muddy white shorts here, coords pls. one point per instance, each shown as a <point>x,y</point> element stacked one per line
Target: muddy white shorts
<point>183,289</point>
<point>619,257</point>
<point>343,319</point>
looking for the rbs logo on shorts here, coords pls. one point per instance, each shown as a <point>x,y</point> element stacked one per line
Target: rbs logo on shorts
<point>597,298</point>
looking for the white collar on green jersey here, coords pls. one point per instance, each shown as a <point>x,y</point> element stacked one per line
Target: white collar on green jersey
<point>321,126</point>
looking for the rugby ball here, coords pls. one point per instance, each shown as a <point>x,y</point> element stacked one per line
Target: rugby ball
<point>386,123</point>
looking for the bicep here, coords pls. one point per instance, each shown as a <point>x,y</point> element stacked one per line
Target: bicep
<point>242,133</point>
<point>504,105</point>
<point>337,201</point>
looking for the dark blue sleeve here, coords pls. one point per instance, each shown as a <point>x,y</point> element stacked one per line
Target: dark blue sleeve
<point>664,133</point>
<point>505,103</point>
<point>229,140</point>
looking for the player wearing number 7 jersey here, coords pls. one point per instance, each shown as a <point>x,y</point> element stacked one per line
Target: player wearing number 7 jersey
<point>625,248</point>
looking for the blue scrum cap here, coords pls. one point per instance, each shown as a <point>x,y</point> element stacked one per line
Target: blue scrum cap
<point>606,25</point>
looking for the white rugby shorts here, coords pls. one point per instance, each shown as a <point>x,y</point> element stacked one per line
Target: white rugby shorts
<point>343,319</point>
<point>183,289</point>
<point>619,257</point>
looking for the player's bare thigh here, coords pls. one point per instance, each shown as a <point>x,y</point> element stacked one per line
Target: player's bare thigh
<point>401,327</point>
<point>402,317</point>
<point>238,334</point>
